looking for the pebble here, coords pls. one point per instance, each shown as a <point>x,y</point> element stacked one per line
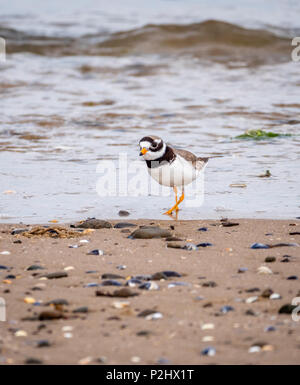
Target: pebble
<point>57,302</point>
<point>2,267</point>
<point>110,282</point>
<point>252,299</point>
<point>29,300</point>
<point>270,259</point>
<point>158,276</point>
<point>208,339</point>
<point>67,328</point>
<point>43,344</point>
<point>175,284</point>
<point>121,304</point>
<point>124,225</point>
<point>124,213</point>
<point>5,252</point>
<point>275,296</point>
<point>33,361</point>
<point>18,231</point>
<point>50,315</point>
<point>91,284</point>
<point>267,293</point>
<point>254,349</point>
<point>264,270</point>
<point>190,247</point>
<point>163,361</point>
<point>208,326</point>
<point>269,329</point>
<point>82,309</point>
<point>69,268</point>
<point>202,229</point>
<point>226,309</point>
<point>122,293</point>
<point>68,335</point>
<point>21,333</point>
<point>149,286</point>
<point>84,241</point>
<point>259,246</point>
<point>56,275</point>
<point>287,309</point>
<point>149,232</point>
<point>94,224</point>
<point>85,361</point>
<point>121,267</point>
<point>209,284</point>
<point>133,282</point>
<point>242,270</point>
<point>111,276</point>
<point>292,277</point>
<point>154,316</point>
<point>135,359</point>
<point>96,252</point>
<point>35,267</point>
<point>204,244</point>
<point>209,351</point>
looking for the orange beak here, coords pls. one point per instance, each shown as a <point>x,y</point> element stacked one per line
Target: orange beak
<point>143,151</point>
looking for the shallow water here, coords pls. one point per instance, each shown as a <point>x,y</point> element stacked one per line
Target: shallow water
<point>84,84</point>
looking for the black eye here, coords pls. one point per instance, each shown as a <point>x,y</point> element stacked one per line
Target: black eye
<point>154,145</point>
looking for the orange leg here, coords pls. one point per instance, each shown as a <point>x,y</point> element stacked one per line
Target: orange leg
<point>175,207</point>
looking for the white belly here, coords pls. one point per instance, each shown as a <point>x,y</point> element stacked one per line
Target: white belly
<point>179,173</point>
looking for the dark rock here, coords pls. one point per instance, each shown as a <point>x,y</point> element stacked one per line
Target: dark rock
<point>43,344</point>
<point>123,225</point>
<point>270,259</point>
<point>82,309</point>
<point>2,267</point>
<point>35,267</point>
<point>111,276</point>
<point>49,315</point>
<point>204,244</point>
<point>10,276</point>
<point>95,252</point>
<point>294,233</point>
<point>252,290</point>
<point>242,270</point>
<point>170,273</point>
<point>121,293</point>
<point>146,312</point>
<point>59,274</point>
<point>33,361</point>
<point>292,277</point>
<point>250,312</point>
<point>149,286</point>
<point>259,246</point>
<point>209,284</point>
<point>57,302</point>
<point>92,284</point>
<point>94,224</point>
<point>149,232</point>
<point>144,333</point>
<point>226,309</point>
<point>266,293</point>
<point>173,239</point>
<point>17,242</point>
<point>285,260</point>
<point>226,223</point>
<point>174,246</point>
<point>283,244</point>
<point>124,213</point>
<point>202,229</point>
<point>91,272</point>
<point>110,282</point>
<point>209,351</point>
<point>158,276</point>
<point>287,309</point>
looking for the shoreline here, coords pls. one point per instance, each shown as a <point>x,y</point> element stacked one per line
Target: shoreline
<point>220,299</point>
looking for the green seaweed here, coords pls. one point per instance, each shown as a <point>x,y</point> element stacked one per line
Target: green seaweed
<point>260,134</point>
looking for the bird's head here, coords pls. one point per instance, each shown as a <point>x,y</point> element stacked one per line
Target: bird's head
<point>152,147</point>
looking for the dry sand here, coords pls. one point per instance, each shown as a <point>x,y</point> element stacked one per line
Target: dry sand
<point>112,336</point>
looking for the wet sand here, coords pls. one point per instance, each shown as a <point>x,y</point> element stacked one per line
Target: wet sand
<point>109,335</point>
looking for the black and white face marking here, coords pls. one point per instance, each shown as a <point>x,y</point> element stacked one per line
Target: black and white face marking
<point>152,148</point>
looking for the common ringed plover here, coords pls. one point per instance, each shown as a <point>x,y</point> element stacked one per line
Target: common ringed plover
<point>169,166</point>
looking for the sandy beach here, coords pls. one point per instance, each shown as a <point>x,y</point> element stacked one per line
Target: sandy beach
<point>224,311</point>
